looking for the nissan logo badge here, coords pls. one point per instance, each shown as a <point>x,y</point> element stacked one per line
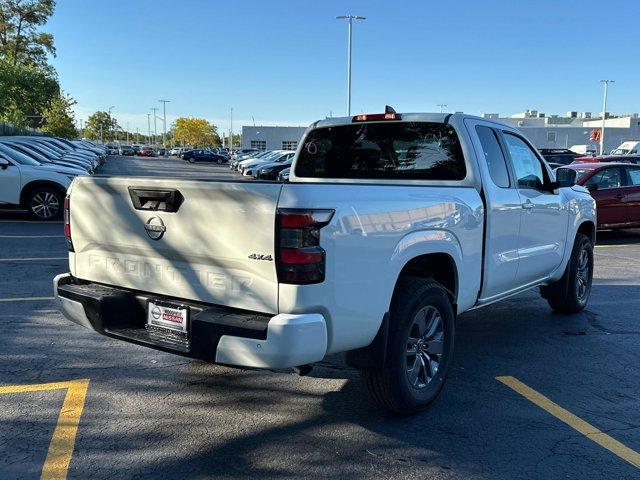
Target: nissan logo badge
<point>155,228</point>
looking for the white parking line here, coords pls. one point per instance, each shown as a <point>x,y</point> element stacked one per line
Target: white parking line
<point>619,245</point>
<point>31,236</point>
<point>34,259</point>
<point>24,299</point>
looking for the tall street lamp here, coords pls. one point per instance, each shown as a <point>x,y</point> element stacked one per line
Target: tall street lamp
<point>442,105</point>
<point>110,123</point>
<point>164,121</point>
<point>604,113</point>
<point>155,125</point>
<point>351,18</point>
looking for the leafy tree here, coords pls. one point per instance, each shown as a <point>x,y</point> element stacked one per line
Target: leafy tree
<point>196,132</point>
<point>21,42</point>
<point>100,126</point>
<point>25,89</point>
<point>58,117</point>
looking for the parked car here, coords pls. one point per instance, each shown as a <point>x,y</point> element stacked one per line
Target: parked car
<point>193,156</point>
<point>112,149</point>
<point>635,159</point>
<point>249,169</point>
<point>616,190</point>
<point>48,152</point>
<point>585,150</point>
<point>392,225</point>
<point>175,151</point>
<point>270,171</point>
<point>136,149</point>
<point>42,156</point>
<point>126,150</point>
<point>146,152</point>
<point>28,184</point>
<point>161,152</point>
<point>556,157</point>
<point>233,164</point>
<point>251,162</point>
<point>627,148</point>
<point>283,176</point>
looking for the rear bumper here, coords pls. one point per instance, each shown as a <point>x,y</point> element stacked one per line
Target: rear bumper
<point>218,335</point>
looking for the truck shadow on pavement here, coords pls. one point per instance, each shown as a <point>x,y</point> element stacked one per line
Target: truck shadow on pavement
<point>178,418</point>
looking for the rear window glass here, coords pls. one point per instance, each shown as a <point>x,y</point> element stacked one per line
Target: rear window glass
<point>392,151</point>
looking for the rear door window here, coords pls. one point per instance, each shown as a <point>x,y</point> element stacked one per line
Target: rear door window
<point>493,156</point>
<point>634,176</point>
<point>393,151</point>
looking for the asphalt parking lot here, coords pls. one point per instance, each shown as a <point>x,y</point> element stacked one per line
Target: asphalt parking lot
<point>149,414</point>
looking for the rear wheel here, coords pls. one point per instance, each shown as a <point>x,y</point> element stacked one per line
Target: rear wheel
<point>571,293</point>
<point>45,203</point>
<point>419,348</point>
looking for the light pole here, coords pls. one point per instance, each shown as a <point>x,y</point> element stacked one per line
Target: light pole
<point>441,105</point>
<point>604,113</point>
<point>110,122</point>
<point>351,18</point>
<point>164,121</point>
<point>155,126</point>
<point>149,128</point>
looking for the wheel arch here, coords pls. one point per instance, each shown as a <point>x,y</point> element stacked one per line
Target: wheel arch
<point>588,228</point>
<point>29,187</point>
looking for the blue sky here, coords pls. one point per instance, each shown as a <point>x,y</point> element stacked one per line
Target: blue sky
<point>284,62</point>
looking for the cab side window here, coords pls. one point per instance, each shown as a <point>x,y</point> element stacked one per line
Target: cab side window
<point>493,156</point>
<point>526,164</point>
<point>607,178</point>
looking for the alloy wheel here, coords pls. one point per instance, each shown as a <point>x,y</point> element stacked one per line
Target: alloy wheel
<point>582,272</point>
<point>45,205</point>
<point>425,347</point>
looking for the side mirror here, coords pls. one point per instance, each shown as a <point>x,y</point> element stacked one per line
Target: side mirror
<point>4,163</point>
<point>565,177</point>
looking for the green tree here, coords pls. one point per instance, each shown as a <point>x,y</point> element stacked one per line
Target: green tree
<point>100,126</point>
<point>58,117</point>
<point>25,91</point>
<point>195,132</point>
<point>21,41</point>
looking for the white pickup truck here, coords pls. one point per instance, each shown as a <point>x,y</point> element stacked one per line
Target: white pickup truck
<point>392,226</point>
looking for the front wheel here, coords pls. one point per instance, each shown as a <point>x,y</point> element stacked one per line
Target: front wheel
<point>419,348</point>
<point>192,160</point>
<point>571,293</point>
<point>45,203</point>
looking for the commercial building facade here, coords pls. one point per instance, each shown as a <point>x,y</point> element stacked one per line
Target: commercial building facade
<point>271,138</point>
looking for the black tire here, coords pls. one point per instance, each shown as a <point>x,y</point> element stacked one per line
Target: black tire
<point>219,162</point>
<point>571,293</point>
<point>45,203</point>
<point>390,387</point>
<point>192,160</point>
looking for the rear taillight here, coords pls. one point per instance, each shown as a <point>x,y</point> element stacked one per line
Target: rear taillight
<point>300,258</point>
<point>67,222</point>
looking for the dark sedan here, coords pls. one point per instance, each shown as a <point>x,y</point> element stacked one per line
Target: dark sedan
<point>126,150</point>
<point>616,190</point>
<point>270,171</point>
<point>193,156</point>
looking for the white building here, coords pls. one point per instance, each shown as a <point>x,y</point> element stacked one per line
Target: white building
<point>575,128</point>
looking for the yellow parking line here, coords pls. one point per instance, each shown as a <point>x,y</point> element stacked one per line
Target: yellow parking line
<point>31,259</point>
<point>24,299</point>
<point>63,440</point>
<point>575,422</point>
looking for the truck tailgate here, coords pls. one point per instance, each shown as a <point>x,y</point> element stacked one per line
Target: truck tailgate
<point>123,237</point>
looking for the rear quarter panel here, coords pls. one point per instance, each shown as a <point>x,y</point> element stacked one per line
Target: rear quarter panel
<point>375,231</point>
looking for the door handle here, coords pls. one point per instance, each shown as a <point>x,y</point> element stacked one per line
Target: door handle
<point>619,196</point>
<point>527,205</point>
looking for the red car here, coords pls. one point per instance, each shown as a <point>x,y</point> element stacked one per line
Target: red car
<point>616,190</point>
<point>147,152</point>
